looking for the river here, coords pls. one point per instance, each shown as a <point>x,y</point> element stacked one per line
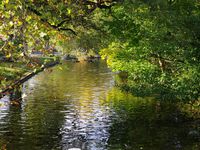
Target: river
<point>75,105</point>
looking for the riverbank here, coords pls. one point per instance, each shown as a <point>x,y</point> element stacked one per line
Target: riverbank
<point>14,74</point>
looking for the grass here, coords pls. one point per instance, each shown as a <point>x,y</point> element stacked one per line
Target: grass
<point>9,72</point>
<point>12,71</point>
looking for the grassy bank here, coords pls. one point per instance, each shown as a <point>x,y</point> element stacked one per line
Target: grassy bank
<point>10,72</point>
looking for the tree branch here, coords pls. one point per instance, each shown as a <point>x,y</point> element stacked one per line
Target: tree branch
<point>56,27</point>
<point>165,59</point>
<point>102,4</point>
<point>67,29</point>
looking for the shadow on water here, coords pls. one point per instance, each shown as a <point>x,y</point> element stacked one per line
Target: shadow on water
<point>76,105</point>
<point>151,125</point>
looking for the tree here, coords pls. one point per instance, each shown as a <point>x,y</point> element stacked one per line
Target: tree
<point>157,44</point>
<point>25,22</point>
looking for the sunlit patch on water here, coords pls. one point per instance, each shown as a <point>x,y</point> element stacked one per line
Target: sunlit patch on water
<point>4,106</point>
<point>4,109</point>
<point>86,127</point>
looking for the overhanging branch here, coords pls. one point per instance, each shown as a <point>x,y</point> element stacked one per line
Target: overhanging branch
<point>67,29</point>
<point>56,27</point>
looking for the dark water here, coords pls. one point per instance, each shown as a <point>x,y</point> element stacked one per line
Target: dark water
<point>76,106</point>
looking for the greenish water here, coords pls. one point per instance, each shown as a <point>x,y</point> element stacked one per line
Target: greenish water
<point>75,105</point>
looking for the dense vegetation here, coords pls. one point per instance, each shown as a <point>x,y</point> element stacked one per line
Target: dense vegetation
<point>154,43</point>
<point>157,44</point>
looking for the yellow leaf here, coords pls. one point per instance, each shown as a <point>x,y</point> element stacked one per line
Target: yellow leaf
<point>69,11</point>
<point>22,54</point>
<point>20,45</point>
<point>8,56</point>
<point>6,1</point>
<point>60,68</point>
<point>20,23</point>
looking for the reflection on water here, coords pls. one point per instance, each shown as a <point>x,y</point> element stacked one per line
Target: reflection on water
<point>75,105</point>
<point>150,125</point>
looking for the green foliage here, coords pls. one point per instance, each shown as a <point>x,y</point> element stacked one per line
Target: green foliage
<point>34,25</point>
<point>157,44</point>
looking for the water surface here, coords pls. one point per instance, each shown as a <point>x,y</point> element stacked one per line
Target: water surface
<point>76,105</point>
